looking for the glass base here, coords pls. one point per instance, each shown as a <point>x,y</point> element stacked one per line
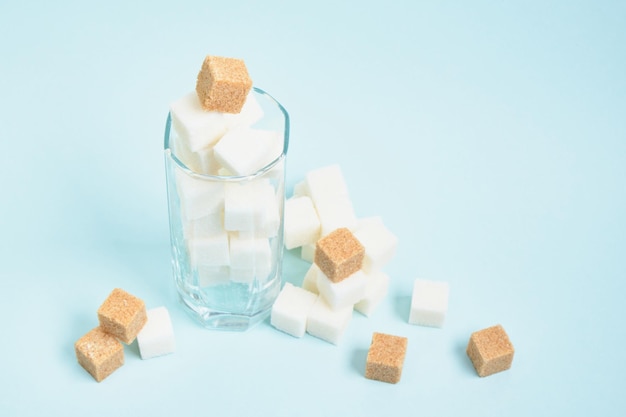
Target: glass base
<point>218,320</point>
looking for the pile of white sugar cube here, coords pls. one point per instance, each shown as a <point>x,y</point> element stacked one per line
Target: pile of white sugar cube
<point>214,122</point>
<point>228,226</point>
<point>226,144</point>
<point>320,220</point>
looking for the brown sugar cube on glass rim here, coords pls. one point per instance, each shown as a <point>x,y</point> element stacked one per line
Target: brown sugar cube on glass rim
<point>223,84</point>
<point>385,358</point>
<point>100,353</point>
<point>122,315</point>
<point>339,254</point>
<point>490,350</point>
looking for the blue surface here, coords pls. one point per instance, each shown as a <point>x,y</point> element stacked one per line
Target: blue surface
<point>489,136</point>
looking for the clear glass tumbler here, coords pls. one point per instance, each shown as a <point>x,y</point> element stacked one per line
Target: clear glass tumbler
<point>226,231</point>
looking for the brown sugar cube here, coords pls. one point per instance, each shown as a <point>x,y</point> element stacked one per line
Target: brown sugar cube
<point>339,254</point>
<point>385,358</point>
<point>490,350</point>
<point>122,315</point>
<point>223,84</point>
<point>99,353</point>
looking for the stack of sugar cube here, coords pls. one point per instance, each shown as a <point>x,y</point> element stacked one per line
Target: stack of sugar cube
<point>214,123</point>
<point>231,229</point>
<point>347,256</point>
<point>227,226</point>
<point>123,318</point>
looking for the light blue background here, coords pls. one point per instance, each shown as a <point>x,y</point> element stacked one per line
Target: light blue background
<point>489,135</point>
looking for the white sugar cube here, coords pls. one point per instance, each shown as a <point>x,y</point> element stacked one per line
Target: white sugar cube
<point>328,190</point>
<point>271,216</point>
<point>302,226</point>
<point>156,338</point>
<point>379,243</point>
<point>300,189</point>
<point>198,197</point>
<point>210,251</point>
<point>250,113</point>
<point>375,292</point>
<point>249,252</point>
<point>195,125</point>
<point>244,151</point>
<point>344,293</point>
<point>327,323</point>
<point>206,226</point>
<point>201,161</point>
<point>206,161</point>
<point>429,303</point>
<point>209,275</point>
<point>267,223</point>
<point>291,309</point>
<point>250,258</point>
<point>335,213</point>
<point>309,282</point>
<point>307,252</point>
<point>325,183</point>
<point>180,148</point>
<point>249,207</point>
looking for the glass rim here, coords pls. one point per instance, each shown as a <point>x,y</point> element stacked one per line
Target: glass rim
<point>260,172</point>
